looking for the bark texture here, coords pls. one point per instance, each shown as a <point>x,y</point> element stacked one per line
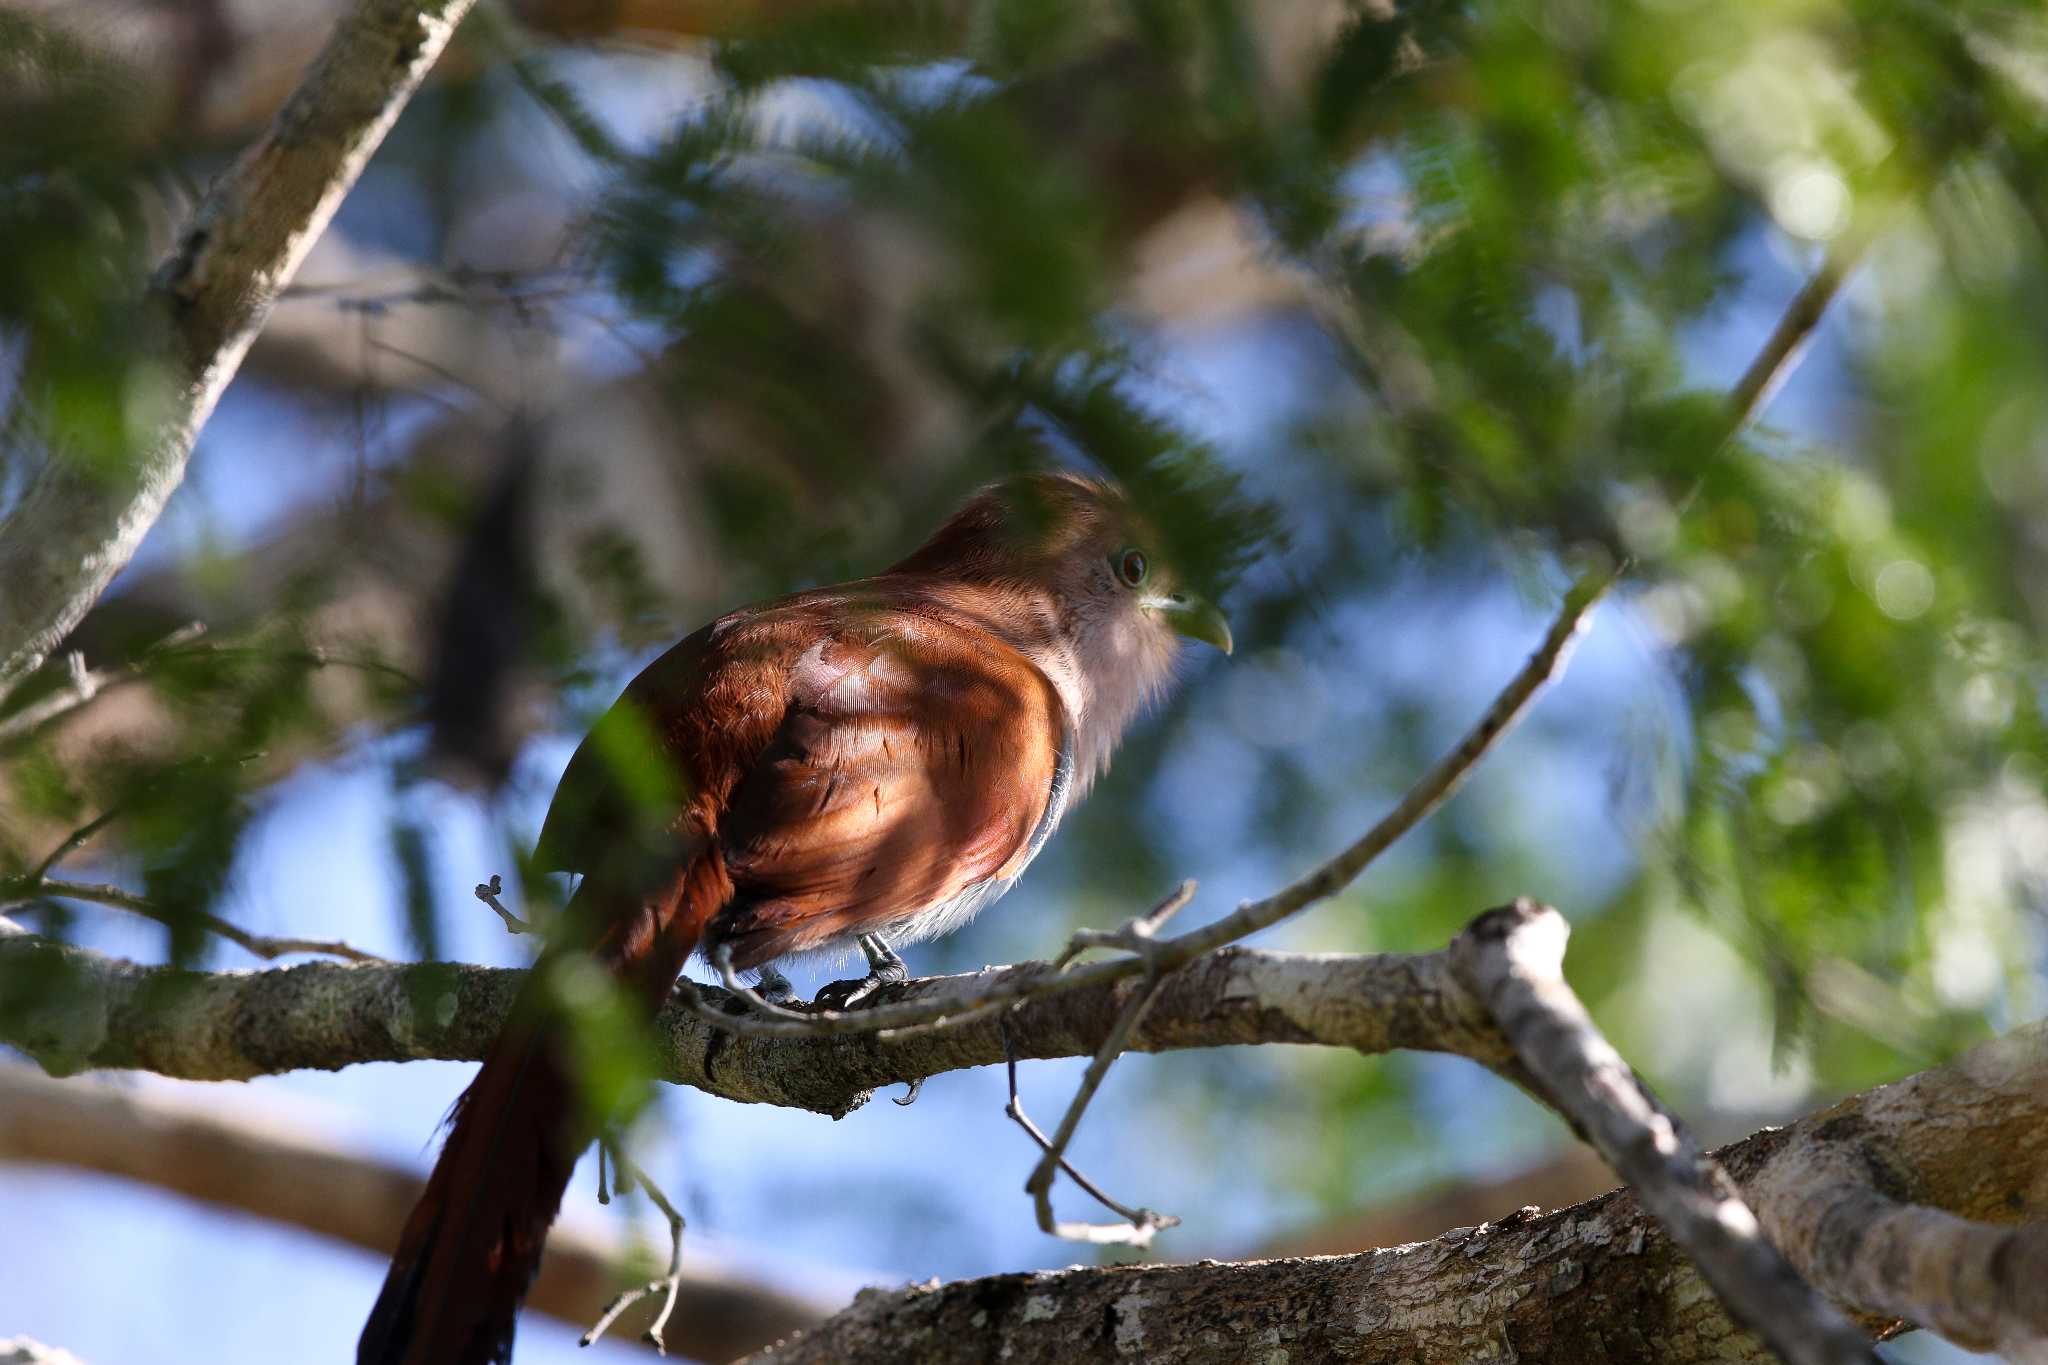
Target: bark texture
<point>1595,1283</point>
<point>73,1010</point>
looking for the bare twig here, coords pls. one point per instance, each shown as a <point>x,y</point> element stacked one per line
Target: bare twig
<point>311,656</point>
<point>1139,936</point>
<point>82,684</point>
<point>72,842</point>
<point>1139,1224</point>
<point>459,285</point>
<point>86,685</point>
<point>22,890</point>
<point>1781,351</point>
<point>488,892</point>
<point>1513,960</point>
<point>668,1286</point>
<point>1431,790</point>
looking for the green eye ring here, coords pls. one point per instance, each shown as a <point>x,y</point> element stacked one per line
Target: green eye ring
<point>1131,567</point>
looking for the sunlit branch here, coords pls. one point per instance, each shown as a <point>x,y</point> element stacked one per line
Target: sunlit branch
<point>1513,959</point>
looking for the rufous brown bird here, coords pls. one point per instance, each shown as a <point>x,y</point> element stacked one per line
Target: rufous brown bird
<point>864,764</point>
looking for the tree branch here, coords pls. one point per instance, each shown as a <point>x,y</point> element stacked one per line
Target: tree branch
<point>72,1009</point>
<point>290,1172</point>
<point>1595,1284</point>
<point>75,528</point>
<point>1513,958</point>
<point>1875,1221</point>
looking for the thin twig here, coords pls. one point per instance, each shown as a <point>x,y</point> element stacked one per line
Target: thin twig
<point>470,287</point>
<point>72,842</point>
<point>488,892</point>
<point>85,685</point>
<point>1435,786</point>
<point>1138,937</point>
<point>1512,959</point>
<point>265,946</point>
<point>1139,1224</point>
<point>312,656</point>
<point>82,684</point>
<point>1781,351</point>
<point>668,1286</point>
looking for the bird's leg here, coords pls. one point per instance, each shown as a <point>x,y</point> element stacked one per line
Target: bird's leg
<point>774,987</point>
<point>884,967</point>
<point>745,997</point>
<point>883,962</point>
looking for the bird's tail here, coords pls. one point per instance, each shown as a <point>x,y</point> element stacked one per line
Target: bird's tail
<point>471,1247</point>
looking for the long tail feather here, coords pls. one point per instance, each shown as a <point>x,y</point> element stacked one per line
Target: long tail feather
<point>472,1244</point>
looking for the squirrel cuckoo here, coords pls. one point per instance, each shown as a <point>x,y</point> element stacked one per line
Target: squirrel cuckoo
<point>868,763</point>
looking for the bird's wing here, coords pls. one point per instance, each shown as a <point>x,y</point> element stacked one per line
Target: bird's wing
<point>916,760</point>
<point>634,778</point>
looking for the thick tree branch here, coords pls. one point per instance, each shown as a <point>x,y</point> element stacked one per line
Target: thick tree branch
<point>291,1173</point>
<point>74,528</point>
<point>1594,1284</point>
<point>1876,1222</point>
<point>72,1010</point>
<point>1513,959</point>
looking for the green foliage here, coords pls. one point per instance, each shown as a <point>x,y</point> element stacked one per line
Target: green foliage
<point>74,229</point>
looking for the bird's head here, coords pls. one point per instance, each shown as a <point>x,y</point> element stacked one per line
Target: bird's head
<point>1080,539</point>
<point>1069,572</point>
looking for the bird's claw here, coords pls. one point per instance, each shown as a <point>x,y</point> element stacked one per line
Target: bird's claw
<point>844,995</point>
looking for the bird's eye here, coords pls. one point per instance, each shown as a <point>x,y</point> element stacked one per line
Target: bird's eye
<point>1131,567</point>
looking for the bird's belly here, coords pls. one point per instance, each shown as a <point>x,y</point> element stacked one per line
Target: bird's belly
<point>949,914</point>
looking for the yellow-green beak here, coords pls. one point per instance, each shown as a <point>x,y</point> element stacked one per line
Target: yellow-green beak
<point>1195,617</point>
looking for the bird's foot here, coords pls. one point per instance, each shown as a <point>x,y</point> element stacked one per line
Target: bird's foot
<point>844,995</point>
<point>774,987</point>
